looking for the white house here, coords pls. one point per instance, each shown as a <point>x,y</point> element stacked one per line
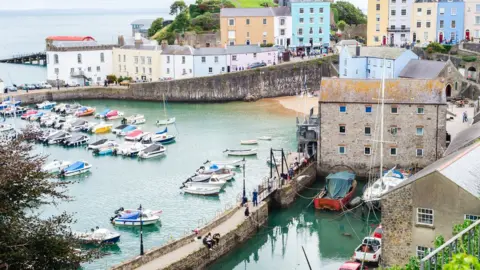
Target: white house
<point>367,62</point>
<point>282,26</point>
<point>77,61</point>
<point>177,62</point>
<point>209,61</point>
<point>241,56</point>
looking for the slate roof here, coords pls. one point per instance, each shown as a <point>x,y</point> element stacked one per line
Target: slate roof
<point>463,139</point>
<point>422,69</point>
<point>144,47</point>
<point>178,50</point>
<point>378,52</point>
<point>210,51</point>
<point>462,168</point>
<point>397,91</point>
<point>255,12</point>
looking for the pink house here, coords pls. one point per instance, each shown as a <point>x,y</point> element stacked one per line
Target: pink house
<point>241,56</point>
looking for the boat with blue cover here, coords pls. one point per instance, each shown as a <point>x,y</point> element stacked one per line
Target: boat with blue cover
<point>160,137</point>
<point>46,105</point>
<point>102,114</point>
<point>108,150</point>
<point>131,217</point>
<point>76,168</point>
<point>127,130</point>
<point>337,193</point>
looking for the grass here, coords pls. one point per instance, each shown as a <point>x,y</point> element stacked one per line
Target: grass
<point>249,3</point>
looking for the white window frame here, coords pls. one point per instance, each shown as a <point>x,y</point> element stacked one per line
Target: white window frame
<point>345,129</point>
<point>423,250</point>
<point>391,110</point>
<point>419,209</point>
<point>365,152</point>
<point>344,150</point>
<point>422,131</point>
<point>416,152</point>
<point>365,131</point>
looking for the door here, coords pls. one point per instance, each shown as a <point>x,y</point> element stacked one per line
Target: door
<point>384,41</point>
<point>392,39</point>
<point>228,68</point>
<point>440,37</point>
<point>467,34</point>
<point>448,91</point>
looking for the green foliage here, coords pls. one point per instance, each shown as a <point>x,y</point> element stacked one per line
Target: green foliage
<point>207,21</point>
<point>335,13</point>
<point>177,7</point>
<point>156,26</point>
<point>111,78</point>
<point>253,3</point>
<point>121,79</point>
<point>447,48</point>
<point>462,261</point>
<point>181,22</point>
<point>469,58</point>
<point>341,25</point>
<point>349,13</point>
<point>266,45</point>
<point>436,47</point>
<point>267,4</point>
<point>166,34</point>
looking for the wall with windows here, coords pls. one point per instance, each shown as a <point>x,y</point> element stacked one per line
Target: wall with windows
<point>142,65</point>
<point>283,30</point>
<point>244,30</point>
<point>241,61</point>
<point>77,67</point>
<point>352,67</point>
<point>450,21</point>
<point>399,22</point>
<point>377,22</point>
<point>472,19</point>
<point>310,23</point>
<point>209,65</point>
<point>424,22</point>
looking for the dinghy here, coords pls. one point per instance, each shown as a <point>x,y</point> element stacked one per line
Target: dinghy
<point>112,115</point>
<point>249,142</point>
<point>206,191</point>
<point>219,173</point>
<point>154,150</point>
<point>234,163</point>
<point>102,128</point>
<point>46,105</point>
<point>117,129</point>
<point>241,152</point>
<point>131,217</point>
<point>135,119</point>
<point>56,166</point>
<point>130,149</point>
<point>265,138</point>
<point>102,114</point>
<point>135,135</point>
<point>76,140</point>
<point>97,237</point>
<point>105,150</point>
<point>101,143</point>
<point>76,168</point>
<point>84,111</point>
<point>212,182</point>
<point>126,130</point>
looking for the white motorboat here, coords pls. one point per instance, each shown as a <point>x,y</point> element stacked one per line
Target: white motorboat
<point>76,125</point>
<point>154,150</point>
<point>211,182</point>
<point>219,173</point>
<point>56,166</point>
<point>76,140</point>
<point>388,181</point>
<point>135,119</point>
<point>58,137</point>
<point>159,137</point>
<point>165,122</point>
<point>132,217</point>
<point>101,143</point>
<point>223,175</point>
<point>103,114</point>
<point>241,152</point>
<point>197,190</point>
<point>136,135</point>
<point>226,163</point>
<point>131,149</point>
<point>199,178</point>
<point>76,168</point>
<point>112,115</point>
<point>59,107</point>
<point>118,129</point>
<point>46,105</point>
<point>265,138</point>
<point>98,236</point>
<point>249,142</point>
<point>126,130</point>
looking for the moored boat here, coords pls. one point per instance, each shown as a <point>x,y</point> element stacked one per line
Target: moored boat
<point>135,217</point>
<point>114,114</point>
<point>154,150</point>
<point>102,128</point>
<point>211,182</point>
<point>126,130</point>
<point>265,138</point>
<point>226,163</point>
<point>35,117</point>
<point>338,191</point>
<point>388,181</point>
<point>241,152</point>
<point>105,150</point>
<point>76,140</point>
<point>135,119</point>
<point>103,114</point>
<point>58,137</point>
<point>46,105</point>
<point>98,236</point>
<point>56,166</point>
<point>76,168</point>
<point>119,128</point>
<point>28,113</point>
<point>159,137</point>
<point>130,149</point>
<point>85,111</point>
<point>101,143</point>
<point>164,122</point>
<point>198,190</point>
<point>248,142</point>
<point>135,135</point>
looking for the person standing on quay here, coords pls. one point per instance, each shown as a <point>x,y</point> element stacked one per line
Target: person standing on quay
<point>255,198</point>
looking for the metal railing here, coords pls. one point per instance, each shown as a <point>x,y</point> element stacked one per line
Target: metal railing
<point>398,30</point>
<point>467,241</point>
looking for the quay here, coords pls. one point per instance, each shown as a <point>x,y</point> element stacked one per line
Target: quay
<point>39,58</point>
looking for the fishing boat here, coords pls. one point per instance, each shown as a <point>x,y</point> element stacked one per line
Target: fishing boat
<point>231,164</point>
<point>265,138</point>
<point>117,129</point>
<point>97,236</point>
<point>58,137</point>
<point>101,143</point>
<point>135,119</point>
<point>46,105</point>
<point>211,182</point>
<point>35,117</point>
<point>130,149</point>
<point>133,217</point>
<point>102,128</point>
<point>159,137</point>
<point>167,120</point>
<point>135,135</point>
<point>114,114</point>
<point>338,191</point>
<point>105,150</point>
<point>56,166</point>
<point>154,150</point>
<point>198,190</point>
<point>248,142</point>
<point>103,114</point>
<point>241,152</point>
<point>28,113</point>
<point>76,168</point>
<point>388,181</point>
<point>84,111</point>
<point>76,140</point>
<point>126,130</point>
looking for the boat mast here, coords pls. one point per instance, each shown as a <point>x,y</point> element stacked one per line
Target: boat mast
<point>381,119</point>
<point>164,107</point>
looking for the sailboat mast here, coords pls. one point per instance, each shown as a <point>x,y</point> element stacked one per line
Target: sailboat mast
<point>164,107</point>
<point>381,119</point>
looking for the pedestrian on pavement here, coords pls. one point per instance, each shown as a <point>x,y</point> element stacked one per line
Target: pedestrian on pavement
<point>465,116</point>
<point>255,198</point>
<point>247,212</point>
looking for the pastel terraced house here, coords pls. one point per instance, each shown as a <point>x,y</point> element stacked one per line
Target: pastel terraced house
<point>450,21</point>
<point>310,24</point>
<point>472,20</point>
<point>377,22</point>
<point>424,21</point>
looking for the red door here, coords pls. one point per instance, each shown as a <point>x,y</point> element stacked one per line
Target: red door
<point>440,37</point>
<point>467,35</point>
<point>384,42</point>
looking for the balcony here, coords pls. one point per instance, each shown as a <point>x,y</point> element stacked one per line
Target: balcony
<point>77,73</point>
<point>398,30</point>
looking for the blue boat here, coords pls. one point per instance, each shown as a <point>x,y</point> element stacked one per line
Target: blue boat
<point>105,151</point>
<point>126,130</point>
<point>76,168</point>
<point>102,114</point>
<point>46,105</point>
<point>160,137</point>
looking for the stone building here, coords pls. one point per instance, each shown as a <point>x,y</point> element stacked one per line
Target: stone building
<point>414,123</point>
<point>445,71</point>
<point>411,220</point>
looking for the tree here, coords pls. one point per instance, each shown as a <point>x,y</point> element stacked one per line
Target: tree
<point>177,7</point>
<point>156,26</point>
<point>341,25</point>
<point>349,13</point>
<point>29,241</point>
<point>181,22</point>
<point>207,21</point>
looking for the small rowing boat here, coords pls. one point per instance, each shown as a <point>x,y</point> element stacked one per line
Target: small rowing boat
<point>249,142</point>
<point>98,236</point>
<point>198,190</point>
<point>265,138</point>
<point>241,152</point>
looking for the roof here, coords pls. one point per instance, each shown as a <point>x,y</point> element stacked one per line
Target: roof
<point>422,69</point>
<point>397,91</point>
<point>239,49</point>
<point>178,50</point>
<point>210,51</point>
<point>462,168</point>
<point>71,44</point>
<point>70,38</point>
<point>378,52</point>
<point>146,22</point>
<point>144,47</point>
<point>255,12</point>
<point>463,139</point>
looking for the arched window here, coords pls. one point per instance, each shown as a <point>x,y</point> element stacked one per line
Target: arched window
<point>55,58</point>
<point>102,57</point>
<point>456,85</point>
<point>79,58</point>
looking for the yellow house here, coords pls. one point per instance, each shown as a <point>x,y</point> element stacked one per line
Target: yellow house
<point>424,22</point>
<point>140,61</point>
<point>377,22</point>
<point>246,26</point>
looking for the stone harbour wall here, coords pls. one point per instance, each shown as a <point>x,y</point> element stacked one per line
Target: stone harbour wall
<point>285,196</point>
<point>397,223</point>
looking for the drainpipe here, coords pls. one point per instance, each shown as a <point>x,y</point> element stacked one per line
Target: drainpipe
<point>436,138</point>
<point>174,77</point>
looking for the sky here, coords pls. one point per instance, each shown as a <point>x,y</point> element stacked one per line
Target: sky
<point>105,4</point>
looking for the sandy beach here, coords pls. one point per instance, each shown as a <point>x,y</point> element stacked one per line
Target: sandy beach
<point>297,105</point>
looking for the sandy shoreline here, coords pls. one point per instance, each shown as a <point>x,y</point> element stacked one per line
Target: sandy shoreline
<point>296,105</point>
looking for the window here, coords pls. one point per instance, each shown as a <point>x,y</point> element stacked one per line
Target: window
<point>342,129</point>
<point>124,68</point>
<point>454,24</point>
<point>311,19</point>
<point>79,58</point>
<point>404,12</point>
<point>442,23</point>
<point>320,40</point>
<point>477,8</point>
<point>419,24</point>
<point>392,27</point>
<point>300,31</point>
<point>300,20</point>
<point>234,58</point>
<point>378,18</point>
<point>320,10</point>
<point>223,69</point>
<point>311,30</point>
<point>376,39</point>
<point>377,27</point>
<point>55,58</point>
<point>119,58</point>
<point>231,22</point>
<point>394,110</point>
<point>124,58</point>
<point>168,59</point>
<point>441,11</point>
<point>247,21</point>
<point>264,42</point>
<point>389,64</point>
<point>472,217</point>
<point>136,69</point>
<point>254,55</point>
<point>149,70</point>
<point>184,71</point>
<point>168,71</point>
<point>367,151</point>
<point>428,24</point>
<point>368,109</point>
<point>149,60</point>
<point>282,32</point>
<point>429,12</point>
<point>343,108</point>
<point>102,58</point>
<point>394,1</point>
<point>368,131</point>
<point>425,216</point>
<point>422,251</point>
<point>264,34</point>
<point>264,21</point>
<point>393,130</point>
<point>301,10</point>
<point>342,149</point>
<point>419,152</point>
<point>420,131</point>
<point>98,68</point>
<point>419,11</point>
<point>136,59</point>
<point>183,59</point>
<point>142,59</point>
<point>378,6</point>
<point>282,21</point>
<point>300,40</point>
<point>477,19</point>
<point>403,27</point>
<point>393,12</point>
<point>393,151</point>
<point>210,70</point>
<point>72,70</point>
<point>56,71</point>
<point>321,19</point>
<point>90,69</point>
<point>216,59</point>
<point>454,11</point>
<point>420,110</point>
<point>204,59</point>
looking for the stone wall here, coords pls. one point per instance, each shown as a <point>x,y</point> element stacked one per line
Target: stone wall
<point>397,225</point>
<point>472,46</point>
<point>200,40</point>
<point>285,196</point>
<point>352,31</point>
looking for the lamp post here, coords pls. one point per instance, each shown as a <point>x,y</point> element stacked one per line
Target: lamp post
<point>244,199</point>
<point>141,231</point>
<point>58,84</point>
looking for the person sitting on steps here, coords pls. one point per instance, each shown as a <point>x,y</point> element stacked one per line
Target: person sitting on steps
<point>207,240</point>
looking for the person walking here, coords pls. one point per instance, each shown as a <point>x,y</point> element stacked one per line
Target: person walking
<point>255,198</point>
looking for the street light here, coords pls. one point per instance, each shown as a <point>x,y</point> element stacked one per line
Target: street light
<point>58,85</point>
<point>244,199</point>
<point>141,231</point>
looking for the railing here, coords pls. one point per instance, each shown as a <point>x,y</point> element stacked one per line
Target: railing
<point>399,30</point>
<point>467,241</point>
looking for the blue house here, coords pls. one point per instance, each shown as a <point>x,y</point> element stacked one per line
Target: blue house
<point>367,62</point>
<point>450,21</point>
<point>310,24</point>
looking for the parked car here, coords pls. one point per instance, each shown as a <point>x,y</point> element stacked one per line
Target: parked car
<point>11,88</point>
<point>45,85</point>
<point>352,266</point>
<point>256,65</point>
<point>72,84</point>
<point>29,87</point>
<point>37,86</point>
<point>369,251</point>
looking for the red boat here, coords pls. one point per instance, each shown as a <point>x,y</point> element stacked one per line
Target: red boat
<point>337,193</point>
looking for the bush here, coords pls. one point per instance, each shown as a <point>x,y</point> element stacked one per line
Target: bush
<point>469,58</point>
<point>447,48</point>
<point>266,45</point>
<point>436,47</point>
<point>111,78</point>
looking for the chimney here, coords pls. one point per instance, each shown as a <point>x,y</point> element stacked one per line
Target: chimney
<point>138,40</point>
<point>164,44</point>
<point>121,41</point>
<point>357,51</point>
